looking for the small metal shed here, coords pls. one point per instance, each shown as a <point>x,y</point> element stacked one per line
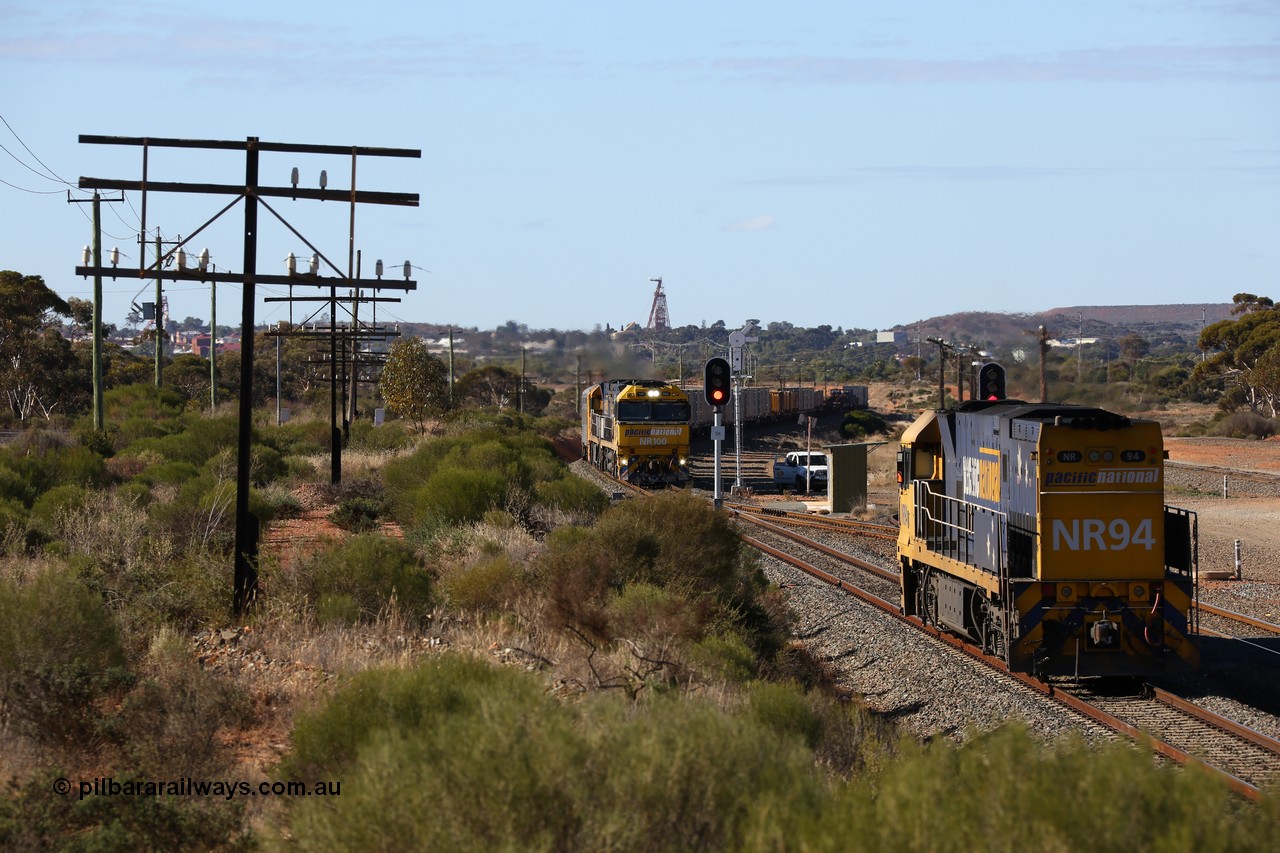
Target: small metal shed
<point>847,475</point>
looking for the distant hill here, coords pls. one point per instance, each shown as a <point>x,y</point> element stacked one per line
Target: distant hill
<point>1140,315</point>
<point>984,328</point>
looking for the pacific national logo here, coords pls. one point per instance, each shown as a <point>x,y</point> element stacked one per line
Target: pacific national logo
<point>1105,477</point>
<point>982,475</point>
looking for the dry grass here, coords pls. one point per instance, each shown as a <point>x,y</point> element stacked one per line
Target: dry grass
<point>357,463</point>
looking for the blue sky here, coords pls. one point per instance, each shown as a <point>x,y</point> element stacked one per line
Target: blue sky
<point>857,164</point>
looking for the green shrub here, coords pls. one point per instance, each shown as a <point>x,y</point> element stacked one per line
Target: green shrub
<point>485,585</point>
<point>12,485</point>
<point>676,540</point>
<point>143,401</point>
<point>481,758</point>
<point>337,608</point>
<point>724,656</point>
<point>641,610</point>
<point>283,502</point>
<point>572,495</point>
<point>664,572</point>
<point>266,465</point>
<point>1245,424</point>
<point>13,520</point>
<point>684,774</point>
<point>100,441</point>
<point>370,569</point>
<point>479,470</point>
<point>390,436</point>
<point>478,757</point>
<point>298,438</point>
<point>200,517</point>
<point>460,495</point>
<point>297,468</point>
<point>174,473</point>
<point>329,740</point>
<point>53,506</point>
<point>785,709</point>
<point>59,652</point>
<point>357,514</point>
<point>35,464</point>
<point>200,439</point>
<point>33,816</point>
<point>1007,785</point>
<point>169,723</point>
<point>859,423</point>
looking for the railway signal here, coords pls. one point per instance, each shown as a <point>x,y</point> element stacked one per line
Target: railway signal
<point>991,381</point>
<point>716,388</point>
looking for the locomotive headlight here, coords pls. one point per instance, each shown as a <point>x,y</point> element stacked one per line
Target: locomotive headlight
<point>653,392</point>
<point>684,461</point>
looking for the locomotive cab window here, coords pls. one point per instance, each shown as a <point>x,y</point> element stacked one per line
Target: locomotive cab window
<point>671,411</point>
<point>646,411</point>
<point>919,463</point>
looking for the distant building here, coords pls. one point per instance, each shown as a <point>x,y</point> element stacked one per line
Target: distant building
<point>627,328</point>
<point>891,337</point>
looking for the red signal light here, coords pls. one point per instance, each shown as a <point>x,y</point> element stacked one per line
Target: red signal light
<point>715,388</point>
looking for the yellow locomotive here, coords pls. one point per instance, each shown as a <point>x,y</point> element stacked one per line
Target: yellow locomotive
<point>1040,531</point>
<point>637,430</point>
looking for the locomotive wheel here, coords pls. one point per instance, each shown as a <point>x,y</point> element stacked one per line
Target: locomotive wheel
<point>927,594</point>
<point>993,642</point>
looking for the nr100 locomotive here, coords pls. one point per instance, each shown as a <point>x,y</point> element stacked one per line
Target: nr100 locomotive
<point>637,430</point>
<point>1039,530</point>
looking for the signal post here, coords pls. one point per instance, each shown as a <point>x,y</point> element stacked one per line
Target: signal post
<point>716,390</point>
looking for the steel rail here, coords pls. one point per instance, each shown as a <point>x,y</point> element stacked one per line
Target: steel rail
<point>825,549</point>
<point>867,528</point>
<point>1256,738</point>
<point>1064,697</point>
<point>1238,617</point>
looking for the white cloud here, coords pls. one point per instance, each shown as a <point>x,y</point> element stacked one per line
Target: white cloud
<point>755,223</point>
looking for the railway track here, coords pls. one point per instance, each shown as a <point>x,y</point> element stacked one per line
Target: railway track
<point>1224,623</point>
<point>1173,727</point>
<point>1235,618</point>
<point>1185,732</point>
<point>838,525</point>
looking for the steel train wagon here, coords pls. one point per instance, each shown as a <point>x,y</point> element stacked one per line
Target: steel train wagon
<point>759,405</point>
<point>637,430</point>
<point>1040,531</point>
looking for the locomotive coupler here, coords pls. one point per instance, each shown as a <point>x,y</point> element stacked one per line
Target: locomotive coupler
<point>1103,632</point>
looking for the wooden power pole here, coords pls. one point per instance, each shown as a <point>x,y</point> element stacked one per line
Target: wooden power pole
<point>253,195</point>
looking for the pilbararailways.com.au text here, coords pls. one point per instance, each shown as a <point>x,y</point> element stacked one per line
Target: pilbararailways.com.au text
<point>226,789</point>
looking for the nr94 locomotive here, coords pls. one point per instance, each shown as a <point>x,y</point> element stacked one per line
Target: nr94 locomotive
<point>637,430</point>
<point>1039,530</point>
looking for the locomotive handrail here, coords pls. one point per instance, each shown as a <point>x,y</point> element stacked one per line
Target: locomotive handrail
<point>603,426</point>
<point>947,523</point>
<point>941,499</point>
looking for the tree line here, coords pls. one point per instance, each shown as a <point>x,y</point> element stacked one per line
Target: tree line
<point>1234,363</point>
